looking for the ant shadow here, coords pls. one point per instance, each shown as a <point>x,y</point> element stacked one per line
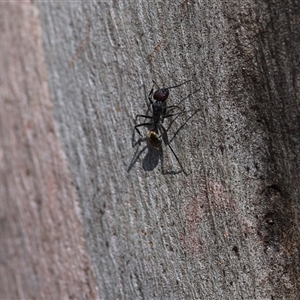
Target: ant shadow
<point>151,159</point>
<point>154,155</point>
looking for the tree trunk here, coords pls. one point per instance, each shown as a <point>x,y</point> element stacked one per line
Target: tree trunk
<point>42,248</point>
<point>221,222</point>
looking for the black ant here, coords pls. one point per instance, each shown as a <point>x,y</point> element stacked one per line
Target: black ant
<point>160,111</point>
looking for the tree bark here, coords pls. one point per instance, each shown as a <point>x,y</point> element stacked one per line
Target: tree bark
<point>229,229</point>
<point>42,248</point>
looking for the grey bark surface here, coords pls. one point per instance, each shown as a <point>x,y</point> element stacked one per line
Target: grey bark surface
<point>42,247</point>
<point>230,228</point>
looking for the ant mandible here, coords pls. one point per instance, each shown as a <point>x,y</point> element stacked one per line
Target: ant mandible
<point>160,111</point>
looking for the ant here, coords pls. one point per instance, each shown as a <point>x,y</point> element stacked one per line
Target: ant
<point>160,111</point>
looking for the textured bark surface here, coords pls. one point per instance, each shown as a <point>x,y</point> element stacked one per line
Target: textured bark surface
<point>42,249</point>
<point>230,228</point>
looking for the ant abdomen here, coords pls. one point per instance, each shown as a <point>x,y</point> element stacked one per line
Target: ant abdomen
<point>154,138</point>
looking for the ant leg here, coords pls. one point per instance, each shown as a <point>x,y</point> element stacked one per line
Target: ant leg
<point>178,160</point>
<point>150,96</point>
<point>139,125</point>
<point>171,108</point>
<point>168,115</point>
<point>142,116</point>
<point>163,133</point>
<point>155,84</point>
<point>166,141</point>
<point>174,106</point>
<point>171,115</point>
<point>173,120</point>
<point>136,156</point>
<point>194,92</point>
<point>182,125</point>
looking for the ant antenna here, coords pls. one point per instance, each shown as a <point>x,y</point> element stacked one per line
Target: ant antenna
<point>172,87</point>
<point>162,93</point>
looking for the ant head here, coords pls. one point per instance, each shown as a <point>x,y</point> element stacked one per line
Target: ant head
<point>161,95</point>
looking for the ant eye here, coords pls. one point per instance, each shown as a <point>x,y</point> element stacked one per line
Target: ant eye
<point>161,95</point>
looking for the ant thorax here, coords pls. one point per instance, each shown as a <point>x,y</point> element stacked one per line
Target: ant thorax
<point>158,110</point>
